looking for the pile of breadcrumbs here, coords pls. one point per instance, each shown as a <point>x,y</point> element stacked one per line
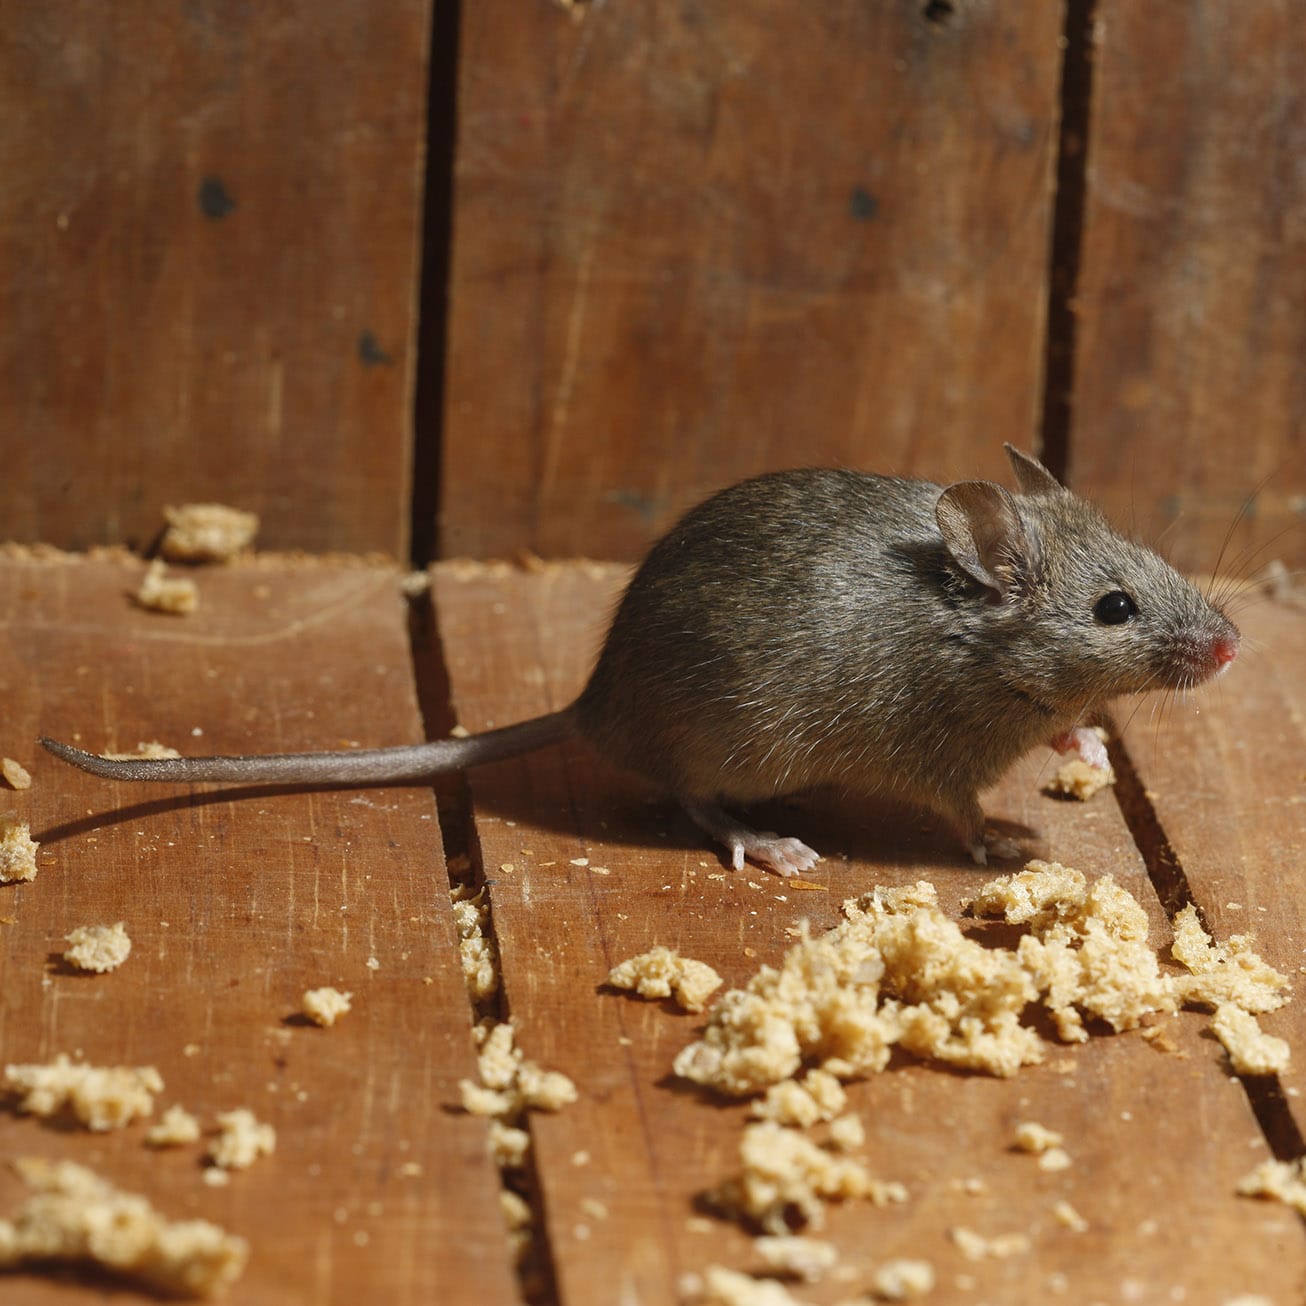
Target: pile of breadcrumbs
<point>899,973</point>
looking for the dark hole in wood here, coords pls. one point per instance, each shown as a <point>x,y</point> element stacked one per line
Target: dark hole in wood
<point>939,11</point>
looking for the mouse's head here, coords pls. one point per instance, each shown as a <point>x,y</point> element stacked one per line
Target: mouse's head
<point>1080,614</point>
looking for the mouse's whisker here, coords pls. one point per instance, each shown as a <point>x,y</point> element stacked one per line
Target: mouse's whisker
<point>1229,533</point>
<point>1242,566</point>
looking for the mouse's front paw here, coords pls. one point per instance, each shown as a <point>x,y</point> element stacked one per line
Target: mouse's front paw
<point>1086,744</point>
<point>769,850</point>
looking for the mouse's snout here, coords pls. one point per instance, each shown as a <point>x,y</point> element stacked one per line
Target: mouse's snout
<point>1224,648</point>
<point>1201,650</point>
<point>1216,650</point>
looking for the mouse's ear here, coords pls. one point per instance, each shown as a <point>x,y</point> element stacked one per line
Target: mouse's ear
<point>1031,475</point>
<point>983,532</point>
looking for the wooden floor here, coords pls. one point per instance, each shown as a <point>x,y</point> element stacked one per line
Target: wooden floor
<point>380,1188</point>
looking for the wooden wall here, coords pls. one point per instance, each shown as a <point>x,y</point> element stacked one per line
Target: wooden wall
<point>691,240</point>
<point>695,242</point>
<point>1190,391</point>
<point>208,234</point>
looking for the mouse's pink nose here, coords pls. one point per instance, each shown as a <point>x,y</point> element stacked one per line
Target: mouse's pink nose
<point>1224,648</point>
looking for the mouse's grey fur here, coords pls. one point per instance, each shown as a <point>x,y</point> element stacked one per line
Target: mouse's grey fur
<point>831,627</point>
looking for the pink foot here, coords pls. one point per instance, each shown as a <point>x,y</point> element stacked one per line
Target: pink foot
<point>766,849</point>
<point>995,845</point>
<point>1086,743</point>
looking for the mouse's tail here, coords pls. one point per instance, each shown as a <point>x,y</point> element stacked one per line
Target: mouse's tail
<point>361,767</point>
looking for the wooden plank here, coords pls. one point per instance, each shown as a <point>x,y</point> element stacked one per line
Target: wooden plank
<point>698,241</point>
<point>1224,775</point>
<point>209,231</point>
<point>1159,1141</point>
<point>235,908</point>
<point>1188,386</point>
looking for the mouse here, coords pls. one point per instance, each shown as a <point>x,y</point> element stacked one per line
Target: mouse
<point>826,627</point>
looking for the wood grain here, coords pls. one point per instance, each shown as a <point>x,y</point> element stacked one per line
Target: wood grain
<point>1189,393</point>
<point>693,242</point>
<point>236,903</point>
<point>1158,1141</point>
<point>209,229</point>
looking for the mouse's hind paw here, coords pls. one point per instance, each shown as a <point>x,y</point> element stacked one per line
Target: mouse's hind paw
<point>996,845</point>
<point>783,856</point>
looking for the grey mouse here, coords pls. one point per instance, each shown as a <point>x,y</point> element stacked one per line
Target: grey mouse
<point>824,627</point>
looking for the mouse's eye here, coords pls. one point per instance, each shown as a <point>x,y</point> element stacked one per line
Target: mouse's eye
<point>1115,609</point>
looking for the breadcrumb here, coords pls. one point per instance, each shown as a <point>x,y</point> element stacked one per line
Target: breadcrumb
<point>413,584</point>
<point>662,973</point>
<point>99,1097</point>
<point>725,1287</point>
<point>1079,780</point>
<point>99,948</point>
<point>975,1247</point>
<point>1044,1143</point>
<point>847,1133</point>
<point>479,955</point>
<point>73,1215</point>
<point>15,773</point>
<point>544,1090</point>
<point>822,999</point>
<point>501,1063</point>
<point>517,1217</point>
<point>1066,1214</point>
<point>887,1192</point>
<point>325,1005</point>
<point>897,971</point>
<point>207,532</point>
<point>786,1180</point>
<point>241,1140</point>
<point>477,1100</point>
<point>795,1256</point>
<point>816,1097</point>
<point>1224,972</point>
<point>509,1146</point>
<point>1279,1181</point>
<point>1251,1050</point>
<point>160,592</point>
<point>516,1209</point>
<point>952,999</point>
<point>1033,1137</point>
<point>510,1086</point>
<point>903,1280</point>
<point>1087,949</point>
<point>17,851</point>
<point>175,1127</point>
<point>1159,1037</point>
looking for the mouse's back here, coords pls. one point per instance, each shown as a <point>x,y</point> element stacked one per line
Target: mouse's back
<point>739,628</point>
